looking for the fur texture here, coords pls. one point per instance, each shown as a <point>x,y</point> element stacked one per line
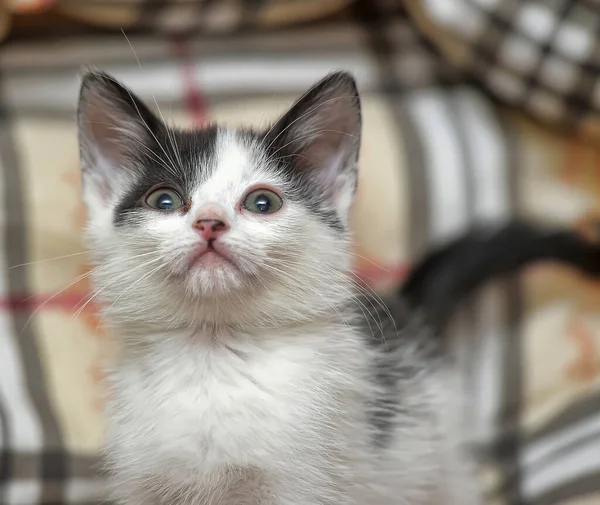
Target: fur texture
<point>256,373</point>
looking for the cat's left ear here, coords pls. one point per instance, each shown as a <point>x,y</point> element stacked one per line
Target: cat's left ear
<point>114,128</point>
<point>320,139</point>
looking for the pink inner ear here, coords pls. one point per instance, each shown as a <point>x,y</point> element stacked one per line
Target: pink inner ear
<point>105,134</point>
<point>327,153</point>
<point>107,145</point>
<point>332,129</point>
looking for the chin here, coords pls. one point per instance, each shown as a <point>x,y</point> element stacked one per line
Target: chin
<point>215,280</point>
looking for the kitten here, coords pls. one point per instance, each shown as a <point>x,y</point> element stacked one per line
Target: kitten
<point>252,373</point>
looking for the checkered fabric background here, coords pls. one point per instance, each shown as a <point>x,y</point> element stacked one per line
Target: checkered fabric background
<point>540,55</point>
<point>438,155</point>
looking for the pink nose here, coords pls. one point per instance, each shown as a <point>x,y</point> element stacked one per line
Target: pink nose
<point>210,229</point>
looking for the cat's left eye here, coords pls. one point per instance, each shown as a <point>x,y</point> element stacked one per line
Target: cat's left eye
<point>262,201</point>
<point>164,199</point>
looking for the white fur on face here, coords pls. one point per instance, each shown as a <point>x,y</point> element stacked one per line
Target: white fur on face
<point>288,265</point>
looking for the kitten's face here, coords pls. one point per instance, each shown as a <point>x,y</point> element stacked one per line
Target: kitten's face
<point>217,225</point>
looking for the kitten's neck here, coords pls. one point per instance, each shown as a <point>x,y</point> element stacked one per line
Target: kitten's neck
<point>165,353</point>
<point>139,331</point>
<point>210,334</point>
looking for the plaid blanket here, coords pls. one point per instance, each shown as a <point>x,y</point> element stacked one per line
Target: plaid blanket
<point>438,155</point>
<point>540,55</point>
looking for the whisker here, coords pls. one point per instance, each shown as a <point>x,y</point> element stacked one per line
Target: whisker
<point>132,49</point>
<point>377,265</point>
<point>46,260</point>
<point>38,308</point>
<point>131,286</point>
<point>116,279</point>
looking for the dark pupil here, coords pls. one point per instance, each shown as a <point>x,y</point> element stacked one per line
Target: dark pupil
<point>165,202</point>
<point>262,203</point>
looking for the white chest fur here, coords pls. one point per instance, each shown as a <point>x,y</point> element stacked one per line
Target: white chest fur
<point>189,407</point>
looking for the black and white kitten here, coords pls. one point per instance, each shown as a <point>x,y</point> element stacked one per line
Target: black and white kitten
<point>251,371</point>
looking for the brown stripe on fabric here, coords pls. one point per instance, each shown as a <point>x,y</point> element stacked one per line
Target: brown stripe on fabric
<point>52,459</point>
<point>149,12</point>
<point>577,411</point>
<point>250,10</point>
<point>86,467</point>
<point>508,446</point>
<point>25,465</point>
<point>506,449</point>
<point>203,7</point>
<point>584,485</point>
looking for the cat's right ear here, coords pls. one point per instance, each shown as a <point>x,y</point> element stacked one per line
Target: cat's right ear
<point>113,126</point>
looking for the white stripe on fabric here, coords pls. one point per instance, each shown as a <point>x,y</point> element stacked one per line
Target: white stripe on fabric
<point>536,452</point>
<point>23,429</point>
<point>230,76</point>
<point>86,490</point>
<point>444,164</point>
<point>582,461</point>
<point>488,154</point>
<point>22,492</point>
<point>488,161</point>
<point>22,426</point>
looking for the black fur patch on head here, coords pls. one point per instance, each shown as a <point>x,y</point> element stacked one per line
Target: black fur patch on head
<point>178,159</point>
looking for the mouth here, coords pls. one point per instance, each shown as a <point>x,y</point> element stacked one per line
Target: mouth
<point>212,255</point>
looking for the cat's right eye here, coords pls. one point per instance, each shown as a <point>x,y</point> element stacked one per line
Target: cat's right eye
<point>164,200</point>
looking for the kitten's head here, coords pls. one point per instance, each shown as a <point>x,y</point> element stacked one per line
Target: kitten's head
<point>219,225</point>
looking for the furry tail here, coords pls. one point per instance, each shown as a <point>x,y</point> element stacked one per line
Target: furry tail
<point>446,275</point>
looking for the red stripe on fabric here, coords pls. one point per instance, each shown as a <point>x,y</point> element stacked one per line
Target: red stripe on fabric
<point>72,301</point>
<point>69,302</point>
<point>194,99</point>
<point>375,274</point>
